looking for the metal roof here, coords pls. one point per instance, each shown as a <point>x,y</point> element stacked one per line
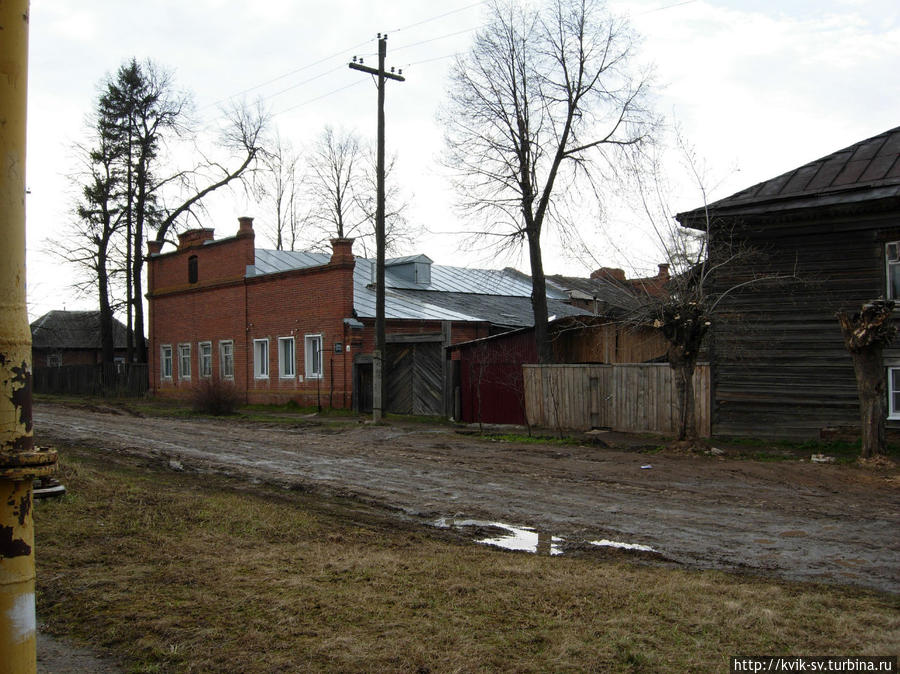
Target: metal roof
<point>274,261</point>
<point>495,296</point>
<point>616,295</point>
<point>867,170</point>
<point>73,330</point>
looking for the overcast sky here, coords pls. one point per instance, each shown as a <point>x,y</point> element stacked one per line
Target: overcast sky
<point>758,87</point>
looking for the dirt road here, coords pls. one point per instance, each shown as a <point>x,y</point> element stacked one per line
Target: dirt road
<point>795,520</point>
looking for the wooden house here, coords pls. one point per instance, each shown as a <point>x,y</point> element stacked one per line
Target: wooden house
<point>830,230</point>
<point>62,338</point>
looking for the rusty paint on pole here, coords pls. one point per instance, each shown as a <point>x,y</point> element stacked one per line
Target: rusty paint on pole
<point>20,462</point>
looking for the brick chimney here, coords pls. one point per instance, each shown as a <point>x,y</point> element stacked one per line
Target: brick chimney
<point>342,251</point>
<point>609,273</point>
<point>154,247</point>
<point>194,237</point>
<point>663,274</point>
<point>245,225</point>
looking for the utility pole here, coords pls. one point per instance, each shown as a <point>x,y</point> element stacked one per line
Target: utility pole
<point>20,462</point>
<point>378,359</point>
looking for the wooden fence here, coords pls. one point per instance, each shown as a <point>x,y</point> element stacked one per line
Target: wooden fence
<point>637,398</point>
<point>111,379</point>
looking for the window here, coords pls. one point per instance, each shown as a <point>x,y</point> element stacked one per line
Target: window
<point>286,365</point>
<point>54,360</point>
<point>312,347</point>
<point>894,393</point>
<point>204,366</point>
<point>226,359</point>
<point>184,361</point>
<point>165,361</point>
<point>193,272</point>
<point>261,358</point>
<point>892,265</point>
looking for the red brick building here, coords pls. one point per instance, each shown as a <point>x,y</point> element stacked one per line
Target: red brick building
<point>286,325</point>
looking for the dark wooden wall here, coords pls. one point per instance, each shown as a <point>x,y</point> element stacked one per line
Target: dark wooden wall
<point>780,367</point>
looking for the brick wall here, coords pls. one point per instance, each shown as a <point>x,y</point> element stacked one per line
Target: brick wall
<point>224,306</point>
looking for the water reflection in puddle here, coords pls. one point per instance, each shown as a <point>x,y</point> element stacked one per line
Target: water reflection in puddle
<point>623,546</point>
<point>525,539</point>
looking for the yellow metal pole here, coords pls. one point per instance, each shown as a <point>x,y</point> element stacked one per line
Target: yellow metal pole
<point>20,462</point>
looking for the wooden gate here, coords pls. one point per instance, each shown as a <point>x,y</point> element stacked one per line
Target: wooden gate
<point>415,379</point>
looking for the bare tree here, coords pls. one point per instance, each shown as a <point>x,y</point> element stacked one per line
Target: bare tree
<point>138,115</point>
<point>278,187</point>
<point>866,333</point>
<point>341,186</point>
<point>398,234</point>
<point>241,139</point>
<point>335,165</point>
<point>544,100</point>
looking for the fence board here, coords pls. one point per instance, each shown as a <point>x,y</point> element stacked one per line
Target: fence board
<point>110,379</point>
<point>637,398</point>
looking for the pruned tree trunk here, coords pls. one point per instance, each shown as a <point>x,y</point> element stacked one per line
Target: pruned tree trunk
<point>870,385</point>
<point>866,333</point>
<point>683,370</point>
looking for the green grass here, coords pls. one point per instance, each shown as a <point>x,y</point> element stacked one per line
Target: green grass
<point>189,573</point>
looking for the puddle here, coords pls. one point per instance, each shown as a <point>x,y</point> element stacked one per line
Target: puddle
<point>507,536</point>
<point>526,539</point>
<point>623,546</point>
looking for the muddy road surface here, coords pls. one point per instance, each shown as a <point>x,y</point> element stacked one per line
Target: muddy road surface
<point>791,519</point>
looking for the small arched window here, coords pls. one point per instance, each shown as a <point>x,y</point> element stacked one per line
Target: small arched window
<point>192,269</point>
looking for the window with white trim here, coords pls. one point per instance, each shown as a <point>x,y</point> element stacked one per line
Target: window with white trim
<point>286,359</point>
<point>312,348</point>
<point>261,358</point>
<point>165,361</point>
<point>892,268</point>
<point>226,359</point>
<point>204,359</point>
<point>184,361</point>
<point>893,375</point>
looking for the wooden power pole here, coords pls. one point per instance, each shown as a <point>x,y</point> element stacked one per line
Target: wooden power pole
<point>378,370</point>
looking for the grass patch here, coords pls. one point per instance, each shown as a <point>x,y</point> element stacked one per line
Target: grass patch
<point>180,572</point>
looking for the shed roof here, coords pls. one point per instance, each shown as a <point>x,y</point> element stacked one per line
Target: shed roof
<point>73,330</point>
<point>865,171</point>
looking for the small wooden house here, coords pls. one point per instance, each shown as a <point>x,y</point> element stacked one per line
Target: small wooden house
<point>72,338</point>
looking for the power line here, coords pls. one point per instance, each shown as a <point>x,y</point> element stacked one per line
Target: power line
<point>317,98</point>
<point>343,52</point>
<point>288,74</point>
<point>659,9</point>
<point>440,16</point>
<point>439,37</point>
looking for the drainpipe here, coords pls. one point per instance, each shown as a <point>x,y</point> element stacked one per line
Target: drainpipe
<point>20,462</point>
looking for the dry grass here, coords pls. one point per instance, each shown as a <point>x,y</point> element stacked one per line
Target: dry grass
<point>178,572</point>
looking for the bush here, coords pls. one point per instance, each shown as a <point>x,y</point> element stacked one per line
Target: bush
<point>216,397</point>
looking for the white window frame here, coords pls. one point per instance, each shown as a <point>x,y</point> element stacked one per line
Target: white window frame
<point>165,362</point>
<point>891,262</point>
<point>226,360</point>
<point>261,364</point>
<point>309,353</point>
<point>893,409</point>
<point>204,360</point>
<point>184,357</point>
<point>285,372</point>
